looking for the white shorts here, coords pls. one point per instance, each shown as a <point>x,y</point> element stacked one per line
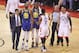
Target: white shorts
<point>64,30</point>
<point>43,31</point>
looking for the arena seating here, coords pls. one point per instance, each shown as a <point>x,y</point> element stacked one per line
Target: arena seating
<point>48,9</point>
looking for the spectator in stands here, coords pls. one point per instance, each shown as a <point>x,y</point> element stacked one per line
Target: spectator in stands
<point>23,1</point>
<point>66,2</point>
<point>55,2</point>
<point>76,4</point>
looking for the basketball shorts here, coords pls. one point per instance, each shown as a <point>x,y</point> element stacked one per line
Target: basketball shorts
<point>64,30</point>
<point>43,32</point>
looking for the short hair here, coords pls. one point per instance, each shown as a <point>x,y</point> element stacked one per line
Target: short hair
<point>16,10</point>
<point>63,6</point>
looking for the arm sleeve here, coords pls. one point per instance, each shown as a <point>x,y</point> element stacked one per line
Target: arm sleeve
<point>70,21</point>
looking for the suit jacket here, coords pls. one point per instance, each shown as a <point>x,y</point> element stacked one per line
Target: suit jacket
<point>13,22</point>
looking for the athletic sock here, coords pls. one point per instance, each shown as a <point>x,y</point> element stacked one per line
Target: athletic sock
<point>61,41</point>
<point>22,44</point>
<point>58,40</point>
<point>26,43</point>
<point>67,41</point>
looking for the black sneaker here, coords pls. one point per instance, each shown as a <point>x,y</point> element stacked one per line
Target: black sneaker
<point>16,49</point>
<point>62,44</point>
<point>13,47</point>
<point>51,44</point>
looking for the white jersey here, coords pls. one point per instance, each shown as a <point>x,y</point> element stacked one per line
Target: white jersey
<point>44,21</point>
<point>64,27</point>
<point>43,30</point>
<point>12,5</point>
<point>64,18</point>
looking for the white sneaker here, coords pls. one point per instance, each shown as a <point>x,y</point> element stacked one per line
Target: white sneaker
<point>22,46</point>
<point>26,48</point>
<point>44,50</point>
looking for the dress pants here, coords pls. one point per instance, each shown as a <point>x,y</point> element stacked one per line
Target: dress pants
<point>16,34</point>
<point>54,28</point>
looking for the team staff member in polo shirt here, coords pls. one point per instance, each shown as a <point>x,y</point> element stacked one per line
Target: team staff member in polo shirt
<point>55,18</point>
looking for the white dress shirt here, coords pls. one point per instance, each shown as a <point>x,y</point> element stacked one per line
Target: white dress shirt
<point>19,20</point>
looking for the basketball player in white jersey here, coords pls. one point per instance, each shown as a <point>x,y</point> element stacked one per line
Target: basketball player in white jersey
<point>11,6</point>
<point>64,26</point>
<point>44,29</point>
<point>10,10</point>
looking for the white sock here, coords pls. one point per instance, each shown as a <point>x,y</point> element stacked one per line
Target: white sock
<point>33,35</point>
<point>37,38</point>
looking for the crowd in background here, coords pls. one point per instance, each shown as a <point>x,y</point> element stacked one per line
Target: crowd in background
<point>70,4</point>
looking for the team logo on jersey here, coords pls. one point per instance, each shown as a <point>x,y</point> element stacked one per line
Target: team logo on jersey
<point>35,14</point>
<point>26,15</point>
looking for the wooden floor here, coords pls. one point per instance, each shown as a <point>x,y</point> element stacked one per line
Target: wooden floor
<point>6,35</point>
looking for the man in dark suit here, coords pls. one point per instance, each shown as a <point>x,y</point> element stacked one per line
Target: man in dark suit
<point>15,26</point>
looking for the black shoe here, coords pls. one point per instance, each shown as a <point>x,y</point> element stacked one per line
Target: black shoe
<point>62,44</point>
<point>67,44</point>
<point>57,44</point>
<point>16,49</point>
<point>51,44</point>
<point>13,47</point>
<point>32,46</point>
